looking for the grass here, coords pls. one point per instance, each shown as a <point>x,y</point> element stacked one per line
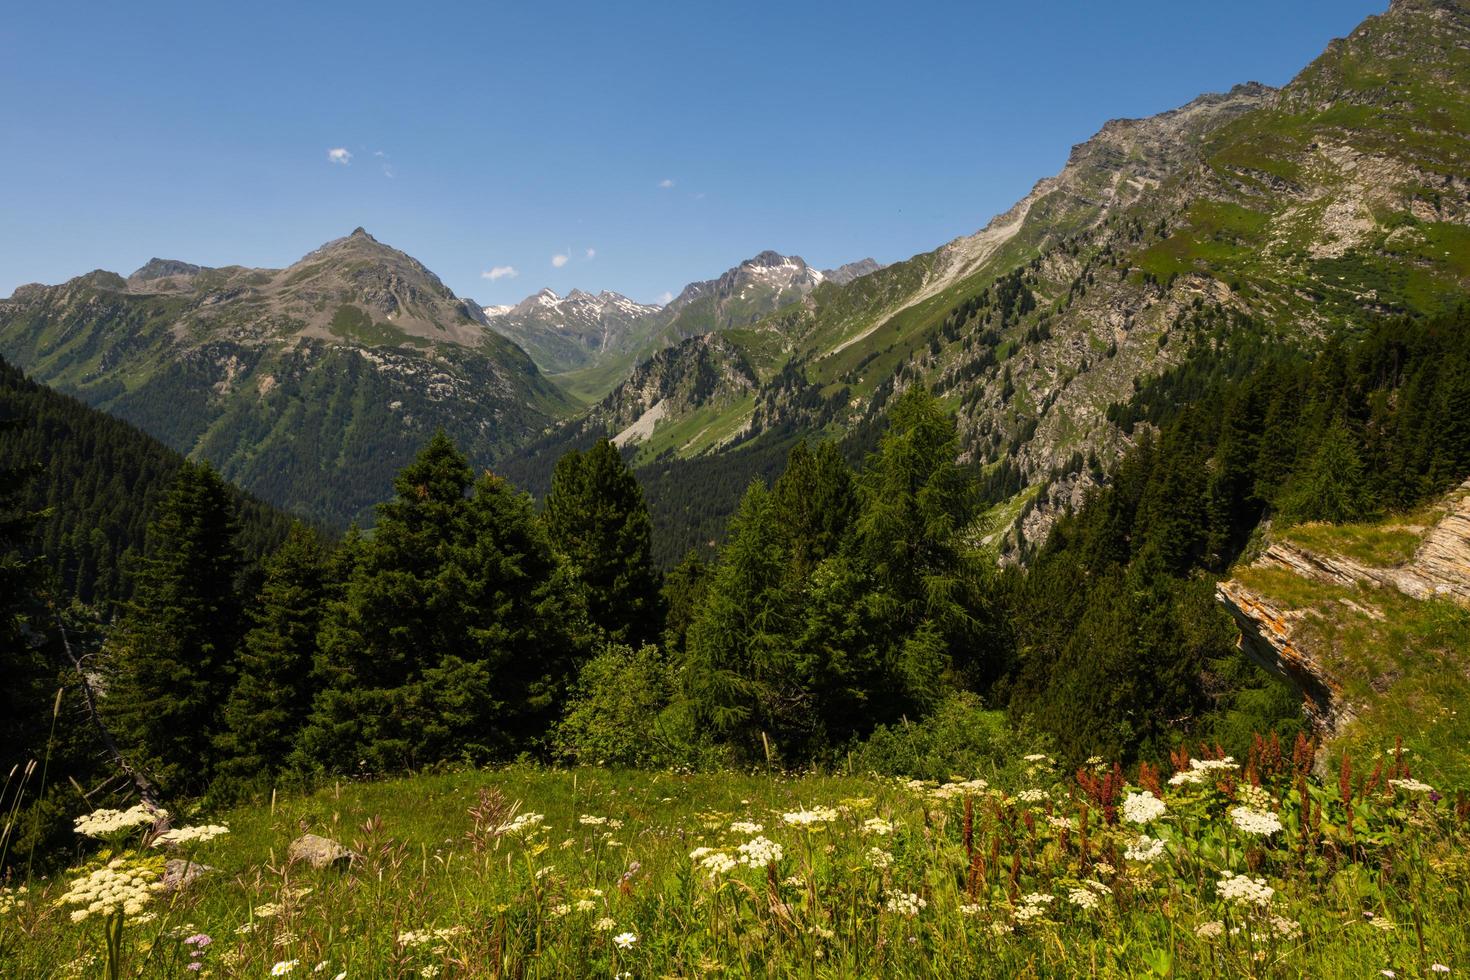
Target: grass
<point>589,872</point>
<point>1384,544</point>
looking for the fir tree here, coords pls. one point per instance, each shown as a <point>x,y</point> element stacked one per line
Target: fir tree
<point>170,657</point>
<point>739,640</point>
<point>455,634</point>
<point>815,503</point>
<point>1332,486</point>
<point>273,691</point>
<point>597,519</point>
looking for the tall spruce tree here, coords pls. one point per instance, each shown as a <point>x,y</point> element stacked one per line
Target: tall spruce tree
<point>454,635</point>
<point>917,504</point>
<point>597,519</point>
<point>273,690</point>
<point>170,655</point>
<point>815,501</point>
<point>739,679</point>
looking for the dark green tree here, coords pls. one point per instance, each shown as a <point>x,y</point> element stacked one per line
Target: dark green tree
<point>597,519</point>
<point>815,502</point>
<point>273,687</point>
<point>739,677</point>
<point>1332,485</point>
<point>456,633</point>
<point>170,658</point>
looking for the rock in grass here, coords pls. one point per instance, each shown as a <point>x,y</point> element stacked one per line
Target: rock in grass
<point>319,852</point>
<point>179,874</point>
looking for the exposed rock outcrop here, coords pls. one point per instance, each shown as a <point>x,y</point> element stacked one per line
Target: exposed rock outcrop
<point>1439,569</point>
<point>319,852</point>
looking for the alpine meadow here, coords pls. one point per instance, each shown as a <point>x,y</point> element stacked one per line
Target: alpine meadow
<point>1086,596</point>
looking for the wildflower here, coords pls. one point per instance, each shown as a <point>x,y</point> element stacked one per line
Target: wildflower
<point>585,905</point>
<point>1031,795</point>
<point>967,787</point>
<point>104,823</point>
<point>877,825</point>
<point>190,835</point>
<point>588,820</point>
<point>1035,757</point>
<point>879,858</point>
<point>759,852</point>
<point>1142,808</point>
<point>429,971</point>
<point>718,863</point>
<point>1411,785</point>
<point>12,898</point>
<point>121,886</point>
<point>1213,765</point>
<point>1210,930</point>
<point>1244,890</point>
<point>746,827</point>
<point>905,903</point>
<point>1033,907</point>
<point>1286,928</point>
<point>1262,823</point>
<point>625,940</point>
<point>1083,898</point>
<point>523,823</point>
<point>198,939</point>
<point>1145,849</point>
<point>1438,968</point>
<point>967,909</point>
<point>604,924</point>
<point>808,818</point>
<point>1187,776</point>
<point>284,967</point>
<point>559,910</point>
<point>267,911</point>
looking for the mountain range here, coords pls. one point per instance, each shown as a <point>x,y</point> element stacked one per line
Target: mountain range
<point>590,342</point>
<point>1283,214</point>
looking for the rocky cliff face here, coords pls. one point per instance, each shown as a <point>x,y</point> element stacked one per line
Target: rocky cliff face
<point>1282,625</point>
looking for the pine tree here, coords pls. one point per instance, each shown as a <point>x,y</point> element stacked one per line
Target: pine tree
<point>170,658</point>
<point>739,640</point>
<point>456,633</point>
<point>1332,485</point>
<point>273,690</point>
<point>597,519</point>
<point>25,695</point>
<point>916,505</point>
<point>815,503</point>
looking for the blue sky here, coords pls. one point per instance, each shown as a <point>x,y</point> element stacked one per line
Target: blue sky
<point>649,144</point>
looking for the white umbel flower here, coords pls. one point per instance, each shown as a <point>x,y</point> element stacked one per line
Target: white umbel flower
<point>1142,808</point>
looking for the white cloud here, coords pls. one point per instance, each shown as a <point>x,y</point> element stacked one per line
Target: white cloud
<point>340,154</point>
<point>666,183</point>
<point>560,259</point>
<point>388,170</point>
<point>500,272</point>
<point>665,298</point>
<point>592,253</point>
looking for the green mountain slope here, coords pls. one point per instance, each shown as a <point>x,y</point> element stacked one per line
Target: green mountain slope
<point>309,385</point>
<point>1290,214</point>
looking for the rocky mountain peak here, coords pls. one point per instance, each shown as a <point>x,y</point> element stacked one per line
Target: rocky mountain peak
<point>157,268</point>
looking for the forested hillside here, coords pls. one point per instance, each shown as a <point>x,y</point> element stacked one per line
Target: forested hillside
<point>94,482</point>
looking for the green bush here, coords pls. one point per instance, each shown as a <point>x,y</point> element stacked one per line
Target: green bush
<point>961,737</point>
<point>624,712</point>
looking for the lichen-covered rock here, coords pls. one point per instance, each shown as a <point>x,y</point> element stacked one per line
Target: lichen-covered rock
<point>319,852</point>
<point>179,873</point>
